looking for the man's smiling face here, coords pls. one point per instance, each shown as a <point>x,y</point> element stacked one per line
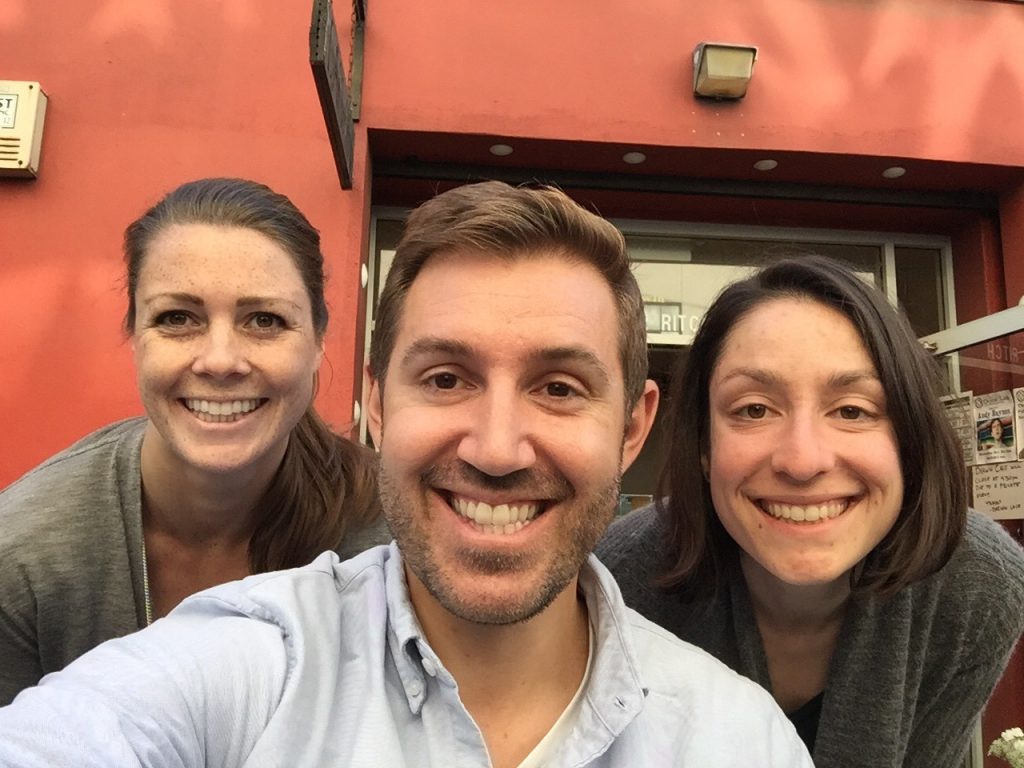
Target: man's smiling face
<point>503,430</point>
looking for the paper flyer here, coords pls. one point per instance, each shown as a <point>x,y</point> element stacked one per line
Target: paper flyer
<point>1018,419</point>
<point>999,490</point>
<point>993,421</point>
<point>960,412</point>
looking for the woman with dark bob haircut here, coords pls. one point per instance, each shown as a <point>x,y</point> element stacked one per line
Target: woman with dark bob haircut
<point>813,528</point>
<point>230,472</point>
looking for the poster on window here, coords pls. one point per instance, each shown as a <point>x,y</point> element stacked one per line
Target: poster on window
<point>993,427</point>
<point>999,490</point>
<point>959,410</point>
<point>1018,419</point>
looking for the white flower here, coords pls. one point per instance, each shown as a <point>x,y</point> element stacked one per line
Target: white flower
<point>1010,747</point>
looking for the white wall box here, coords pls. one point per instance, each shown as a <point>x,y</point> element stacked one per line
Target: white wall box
<point>22,110</point>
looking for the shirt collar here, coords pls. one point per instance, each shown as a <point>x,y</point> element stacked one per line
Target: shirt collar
<point>405,636</point>
<point>615,693</point>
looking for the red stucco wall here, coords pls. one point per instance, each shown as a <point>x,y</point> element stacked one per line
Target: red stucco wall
<point>902,78</point>
<point>144,96</point>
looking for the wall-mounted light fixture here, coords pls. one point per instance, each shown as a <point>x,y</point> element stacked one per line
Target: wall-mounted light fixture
<point>722,70</point>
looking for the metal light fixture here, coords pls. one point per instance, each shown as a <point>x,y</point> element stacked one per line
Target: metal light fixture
<point>722,70</point>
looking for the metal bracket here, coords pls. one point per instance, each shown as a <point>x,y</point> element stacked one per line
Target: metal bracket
<point>339,103</point>
<point>975,332</point>
<point>356,62</point>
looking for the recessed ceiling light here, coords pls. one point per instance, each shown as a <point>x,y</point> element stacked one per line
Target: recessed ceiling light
<point>766,165</point>
<point>634,158</point>
<point>501,150</point>
<point>894,172</point>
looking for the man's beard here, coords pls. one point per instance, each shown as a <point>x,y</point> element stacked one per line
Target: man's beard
<point>582,523</point>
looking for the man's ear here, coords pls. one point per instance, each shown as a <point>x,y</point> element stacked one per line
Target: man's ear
<point>374,408</point>
<point>638,426</point>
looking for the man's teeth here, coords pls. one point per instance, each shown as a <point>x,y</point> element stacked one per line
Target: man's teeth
<point>503,518</point>
<point>811,513</point>
<point>231,410</point>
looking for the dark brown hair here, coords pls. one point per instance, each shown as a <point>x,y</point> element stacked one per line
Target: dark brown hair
<point>326,485</point>
<point>512,222</point>
<point>934,511</point>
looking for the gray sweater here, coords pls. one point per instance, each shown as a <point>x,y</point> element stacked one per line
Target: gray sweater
<point>910,674</point>
<point>71,555</point>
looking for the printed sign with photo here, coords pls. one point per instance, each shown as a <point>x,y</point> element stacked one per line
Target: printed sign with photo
<point>995,439</point>
<point>1018,419</point>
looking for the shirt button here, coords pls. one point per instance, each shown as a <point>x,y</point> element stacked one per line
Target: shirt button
<point>430,667</point>
<point>415,688</point>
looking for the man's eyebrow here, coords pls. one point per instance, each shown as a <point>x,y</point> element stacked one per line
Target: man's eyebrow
<point>578,355</point>
<point>434,345</point>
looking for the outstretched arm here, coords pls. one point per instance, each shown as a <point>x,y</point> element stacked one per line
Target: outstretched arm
<point>191,690</point>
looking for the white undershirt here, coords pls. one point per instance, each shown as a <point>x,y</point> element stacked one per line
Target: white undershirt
<point>546,747</point>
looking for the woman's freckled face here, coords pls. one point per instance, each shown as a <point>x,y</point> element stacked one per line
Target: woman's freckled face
<point>799,427</point>
<point>222,318</point>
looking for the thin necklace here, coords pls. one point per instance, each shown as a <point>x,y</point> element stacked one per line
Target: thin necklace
<point>145,584</point>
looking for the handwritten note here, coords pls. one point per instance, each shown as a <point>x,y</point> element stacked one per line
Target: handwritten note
<point>999,490</point>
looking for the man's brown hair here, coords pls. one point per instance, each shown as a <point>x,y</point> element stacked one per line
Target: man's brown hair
<point>514,222</point>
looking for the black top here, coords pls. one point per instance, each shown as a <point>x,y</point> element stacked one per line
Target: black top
<point>805,720</point>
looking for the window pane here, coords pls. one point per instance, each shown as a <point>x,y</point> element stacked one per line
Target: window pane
<point>679,277</point>
<point>919,287</point>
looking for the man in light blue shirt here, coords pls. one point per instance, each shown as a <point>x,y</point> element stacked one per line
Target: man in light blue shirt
<point>508,394</point>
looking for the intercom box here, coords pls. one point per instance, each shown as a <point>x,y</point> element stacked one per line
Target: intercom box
<point>22,111</point>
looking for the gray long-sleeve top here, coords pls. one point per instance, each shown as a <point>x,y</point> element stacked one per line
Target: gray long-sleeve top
<point>909,675</point>
<point>71,555</point>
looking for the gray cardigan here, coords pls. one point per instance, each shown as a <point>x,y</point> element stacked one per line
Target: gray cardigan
<point>910,674</point>
<point>71,555</point>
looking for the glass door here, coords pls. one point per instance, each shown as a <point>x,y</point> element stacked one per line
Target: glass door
<point>984,360</point>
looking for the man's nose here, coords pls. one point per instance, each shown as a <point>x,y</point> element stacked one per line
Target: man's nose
<point>497,440</point>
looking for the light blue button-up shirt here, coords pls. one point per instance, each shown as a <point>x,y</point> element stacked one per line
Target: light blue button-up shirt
<point>327,665</point>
